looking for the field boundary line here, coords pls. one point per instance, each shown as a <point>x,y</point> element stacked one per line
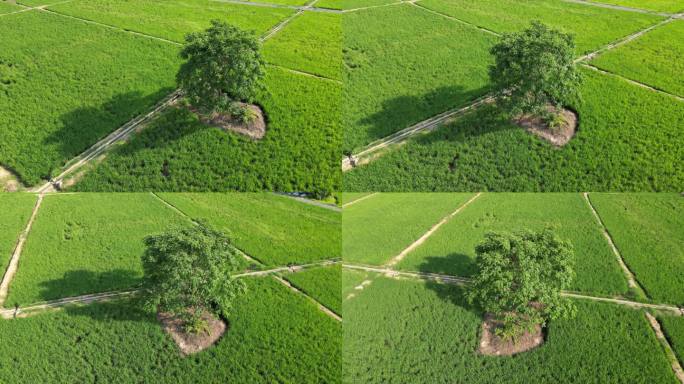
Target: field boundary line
<point>362,198</point>
<point>631,81</point>
<point>13,264</point>
<point>631,279</point>
<point>303,73</point>
<point>37,308</point>
<point>665,343</point>
<point>290,268</point>
<point>618,7</point>
<point>320,306</point>
<point>376,6</point>
<point>482,29</point>
<point>396,259</point>
<point>315,203</point>
<point>285,6</point>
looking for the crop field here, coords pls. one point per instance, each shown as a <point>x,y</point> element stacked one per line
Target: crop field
<point>322,283</point>
<point>352,4</point>
<point>451,249</point>
<point>424,332</point>
<point>349,197</point>
<point>654,59</point>
<point>15,210</point>
<point>673,327</point>
<point>648,229</point>
<point>275,335</point>
<point>8,8</point>
<point>672,6</point>
<point>378,228</point>
<point>276,230</point>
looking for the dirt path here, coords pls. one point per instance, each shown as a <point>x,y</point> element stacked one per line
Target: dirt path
<point>54,304</point>
<point>617,7</point>
<point>362,198</point>
<point>396,259</point>
<point>315,203</point>
<point>14,260</point>
<point>320,306</point>
<point>290,268</point>
<point>676,367</point>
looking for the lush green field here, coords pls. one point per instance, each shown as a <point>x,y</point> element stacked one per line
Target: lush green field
<point>322,283</point>
<point>67,83</point>
<point>403,65</point>
<point>300,151</point>
<point>352,278</point>
<point>673,327</point>
<point>172,19</point>
<point>36,3</point>
<point>274,336</point>
<point>654,59</point>
<point>350,4</point>
<point>593,27</point>
<point>629,139</point>
<point>15,211</point>
<point>274,229</point>
<point>648,229</point>
<point>8,8</point>
<point>451,250</point>
<point>311,42</point>
<point>651,5</point>
<point>379,228</point>
<point>418,332</point>
<point>82,244</point>
<point>281,2</point>
<point>348,197</point>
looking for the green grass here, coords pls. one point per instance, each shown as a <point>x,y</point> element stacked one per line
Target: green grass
<point>311,42</point>
<point>451,250</point>
<point>352,278</point>
<point>629,139</point>
<point>173,19</point>
<point>653,59</point>
<point>8,8</point>
<point>418,332</point>
<point>274,336</point>
<point>672,6</point>
<point>274,229</point>
<point>648,229</point>
<point>300,151</point>
<point>15,211</point>
<point>36,3</point>
<point>322,283</point>
<point>67,83</point>
<point>403,65</point>
<point>350,4</point>
<point>673,327</point>
<point>281,2</point>
<point>593,27</point>
<point>87,243</point>
<point>348,197</point>
<point>379,228</point>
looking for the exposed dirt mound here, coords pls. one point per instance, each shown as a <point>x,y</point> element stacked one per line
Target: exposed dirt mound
<point>255,129</point>
<point>558,136</point>
<point>493,345</point>
<point>8,181</point>
<point>190,342</point>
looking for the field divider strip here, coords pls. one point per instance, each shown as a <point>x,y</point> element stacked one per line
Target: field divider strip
<point>362,198</point>
<point>285,6</point>
<point>669,352</point>
<point>634,82</point>
<point>375,6</point>
<point>303,73</point>
<point>290,268</point>
<point>631,280</point>
<point>320,306</point>
<point>315,203</point>
<point>396,259</point>
<point>457,280</point>
<point>481,28</point>
<point>16,254</point>
<point>618,7</point>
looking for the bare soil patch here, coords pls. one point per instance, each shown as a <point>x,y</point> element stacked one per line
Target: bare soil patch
<point>8,181</point>
<point>493,345</point>
<point>192,342</point>
<point>558,136</point>
<point>255,129</point>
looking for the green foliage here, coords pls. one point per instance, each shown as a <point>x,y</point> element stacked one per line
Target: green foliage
<point>188,271</point>
<point>520,277</point>
<point>15,210</point>
<point>223,66</point>
<point>321,283</point>
<point>351,4</point>
<point>648,229</point>
<point>673,327</point>
<point>423,332</point>
<point>534,68</point>
<point>379,228</point>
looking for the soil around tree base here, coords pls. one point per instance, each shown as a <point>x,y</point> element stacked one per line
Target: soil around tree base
<point>190,343</point>
<point>557,136</point>
<point>493,345</point>
<point>255,129</point>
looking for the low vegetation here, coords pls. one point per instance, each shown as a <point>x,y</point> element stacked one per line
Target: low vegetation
<point>15,210</point>
<point>673,327</point>
<point>321,283</point>
<point>672,6</point>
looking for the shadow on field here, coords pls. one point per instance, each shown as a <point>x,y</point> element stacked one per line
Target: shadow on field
<point>74,283</point>
<point>128,309</point>
<point>455,264</point>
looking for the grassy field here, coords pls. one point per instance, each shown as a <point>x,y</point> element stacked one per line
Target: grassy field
<point>451,250</point>
<point>351,4</point>
<point>8,8</point>
<point>629,139</point>
<point>652,5</point>
<point>352,278</point>
<point>83,244</point>
<point>673,327</point>
<point>274,336</point>
<point>274,229</point>
<point>376,229</point>
<point>593,27</point>
<point>403,65</point>
<point>648,229</point>
<point>322,283</point>
<point>104,78</point>
<point>653,59</point>
<point>419,332</point>
<point>172,19</point>
<point>311,42</point>
<point>300,151</point>
<point>15,211</point>
<point>348,197</point>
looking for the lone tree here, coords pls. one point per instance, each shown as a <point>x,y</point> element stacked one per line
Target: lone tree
<point>519,280</point>
<point>188,272</point>
<point>223,68</point>
<point>535,69</point>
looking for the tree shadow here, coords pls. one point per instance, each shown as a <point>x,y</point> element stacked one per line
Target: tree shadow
<point>450,293</point>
